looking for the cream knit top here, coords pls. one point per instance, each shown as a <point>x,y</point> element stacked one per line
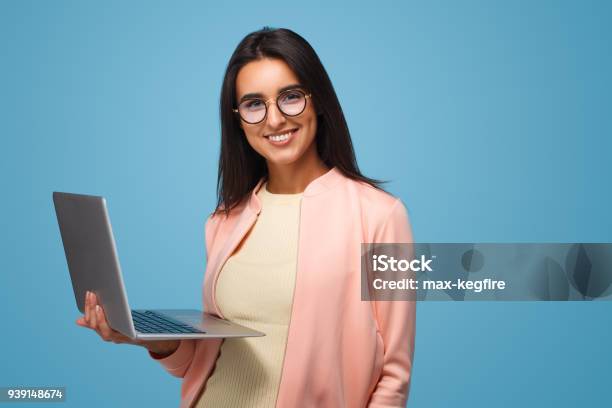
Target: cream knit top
<point>255,289</point>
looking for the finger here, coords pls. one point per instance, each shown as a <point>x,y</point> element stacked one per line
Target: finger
<point>92,310</point>
<point>93,302</point>
<point>87,307</point>
<point>107,332</point>
<point>81,321</point>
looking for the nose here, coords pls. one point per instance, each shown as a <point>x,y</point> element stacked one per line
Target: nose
<point>275,117</point>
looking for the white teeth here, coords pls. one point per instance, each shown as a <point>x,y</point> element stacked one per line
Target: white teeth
<point>279,138</point>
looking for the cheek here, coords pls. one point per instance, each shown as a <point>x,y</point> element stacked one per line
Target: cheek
<point>311,124</point>
<point>254,141</point>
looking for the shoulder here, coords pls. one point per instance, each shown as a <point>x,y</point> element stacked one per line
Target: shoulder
<point>374,202</point>
<point>375,199</point>
<point>219,216</point>
<point>219,223</point>
<point>380,211</point>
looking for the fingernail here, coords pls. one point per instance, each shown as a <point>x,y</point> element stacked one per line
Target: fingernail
<point>97,308</point>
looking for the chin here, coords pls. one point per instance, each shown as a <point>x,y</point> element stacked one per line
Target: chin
<point>284,161</point>
<point>283,158</point>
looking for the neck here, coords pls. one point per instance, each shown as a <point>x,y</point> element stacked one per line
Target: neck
<point>293,178</point>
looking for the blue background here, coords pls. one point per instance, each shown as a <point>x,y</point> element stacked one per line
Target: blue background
<point>491,119</point>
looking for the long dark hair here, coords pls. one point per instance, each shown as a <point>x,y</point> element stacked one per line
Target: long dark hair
<point>240,166</point>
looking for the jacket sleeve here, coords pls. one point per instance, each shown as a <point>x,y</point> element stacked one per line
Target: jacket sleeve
<point>178,362</point>
<point>396,323</point>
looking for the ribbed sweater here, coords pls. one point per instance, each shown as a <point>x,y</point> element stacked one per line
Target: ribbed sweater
<point>255,288</point>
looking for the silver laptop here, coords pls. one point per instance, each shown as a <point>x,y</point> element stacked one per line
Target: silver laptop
<point>93,264</point>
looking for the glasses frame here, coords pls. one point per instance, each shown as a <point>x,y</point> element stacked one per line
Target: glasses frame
<point>277,98</point>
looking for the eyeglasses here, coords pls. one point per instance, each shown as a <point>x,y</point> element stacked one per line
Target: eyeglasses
<point>290,103</point>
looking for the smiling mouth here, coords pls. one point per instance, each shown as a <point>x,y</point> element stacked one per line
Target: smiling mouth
<point>281,137</point>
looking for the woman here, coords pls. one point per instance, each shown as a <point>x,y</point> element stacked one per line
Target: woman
<point>283,249</point>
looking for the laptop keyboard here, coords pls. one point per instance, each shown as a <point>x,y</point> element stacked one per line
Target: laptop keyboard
<point>151,322</point>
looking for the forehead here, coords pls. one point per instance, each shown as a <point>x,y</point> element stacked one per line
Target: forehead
<point>265,76</point>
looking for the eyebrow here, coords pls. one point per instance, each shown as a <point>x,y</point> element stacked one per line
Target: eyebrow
<point>260,95</point>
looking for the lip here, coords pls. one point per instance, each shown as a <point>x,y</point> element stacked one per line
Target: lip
<point>284,142</point>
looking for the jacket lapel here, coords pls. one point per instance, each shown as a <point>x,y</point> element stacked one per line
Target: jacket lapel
<point>246,219</point>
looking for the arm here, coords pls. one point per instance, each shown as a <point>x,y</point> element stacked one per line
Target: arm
<point>396,323</point>
<point>179,361</point>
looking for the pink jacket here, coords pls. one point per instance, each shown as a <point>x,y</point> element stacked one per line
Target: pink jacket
<point>341,351</point>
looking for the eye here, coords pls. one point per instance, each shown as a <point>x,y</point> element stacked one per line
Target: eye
<point>252,104</point>
<point>291,97</point>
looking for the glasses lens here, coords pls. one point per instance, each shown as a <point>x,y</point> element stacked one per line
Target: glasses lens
<point>292,103</point>
<point>252,110</point>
